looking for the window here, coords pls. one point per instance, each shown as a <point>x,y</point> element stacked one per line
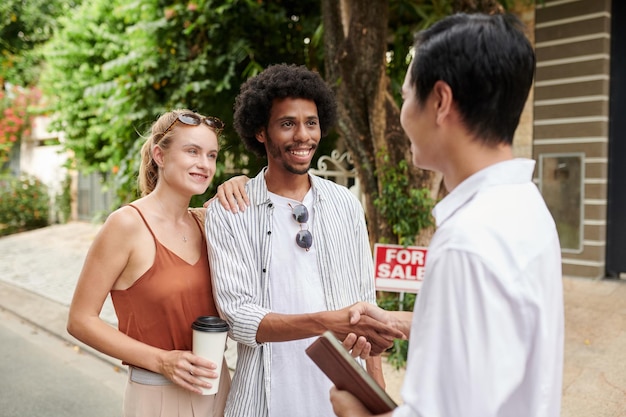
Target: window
<point>561,184</point>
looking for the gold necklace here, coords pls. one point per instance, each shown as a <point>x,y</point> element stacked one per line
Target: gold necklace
<point>163,208</point>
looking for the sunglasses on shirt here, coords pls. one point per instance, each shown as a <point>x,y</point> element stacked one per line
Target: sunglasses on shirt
<point>304,238</point>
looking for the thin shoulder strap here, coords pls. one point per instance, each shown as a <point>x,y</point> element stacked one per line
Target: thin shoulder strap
<point>144,221</point>
<point>199,223</point>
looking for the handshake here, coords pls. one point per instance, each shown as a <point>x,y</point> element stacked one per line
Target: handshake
<point>371,330</point>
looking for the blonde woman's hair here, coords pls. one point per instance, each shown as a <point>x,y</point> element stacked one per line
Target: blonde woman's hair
<point>149,170</point>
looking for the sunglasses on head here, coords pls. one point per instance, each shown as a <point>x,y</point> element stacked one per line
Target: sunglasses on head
<point>193,119</point>
<point>304,238</point>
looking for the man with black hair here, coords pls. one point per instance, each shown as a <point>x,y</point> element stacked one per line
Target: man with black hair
<point>486,333</point>
<point>289,266</point>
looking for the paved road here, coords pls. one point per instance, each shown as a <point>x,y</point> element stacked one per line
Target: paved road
<point>43,375</point>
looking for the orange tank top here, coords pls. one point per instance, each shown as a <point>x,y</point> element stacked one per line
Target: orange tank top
<point>159,308</point>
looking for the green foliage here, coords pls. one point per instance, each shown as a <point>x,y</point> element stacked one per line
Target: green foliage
<point>406,209</point>
<point>116,65</point>
<point>24,204</point>
<point>24,27</point>
<point>406,17</point>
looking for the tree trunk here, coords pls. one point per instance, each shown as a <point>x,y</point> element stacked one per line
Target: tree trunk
<point>355,39</point>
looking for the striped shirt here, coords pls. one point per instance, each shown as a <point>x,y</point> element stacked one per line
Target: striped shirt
<point>240,251</point>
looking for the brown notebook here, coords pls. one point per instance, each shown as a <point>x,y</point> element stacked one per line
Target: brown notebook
<point>346,373</point>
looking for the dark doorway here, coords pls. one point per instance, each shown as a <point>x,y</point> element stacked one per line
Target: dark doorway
<point>616,206</point>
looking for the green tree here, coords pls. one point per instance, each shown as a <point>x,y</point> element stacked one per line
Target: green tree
<point>116,65</point>
<point>367,50</point>
<point>24,27</point>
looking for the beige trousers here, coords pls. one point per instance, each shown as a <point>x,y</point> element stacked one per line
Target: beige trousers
<point>174,401</point>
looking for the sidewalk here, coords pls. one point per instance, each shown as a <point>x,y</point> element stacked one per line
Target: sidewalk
<point>39,269</point>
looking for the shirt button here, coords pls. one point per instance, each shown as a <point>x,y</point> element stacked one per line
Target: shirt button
<point>269,232</point>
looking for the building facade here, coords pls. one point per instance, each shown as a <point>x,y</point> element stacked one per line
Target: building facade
<point>576,99</point>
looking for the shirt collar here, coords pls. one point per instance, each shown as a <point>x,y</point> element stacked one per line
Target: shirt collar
<point>515,171</point>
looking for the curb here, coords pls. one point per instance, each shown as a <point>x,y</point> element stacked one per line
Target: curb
<point>49,316</point>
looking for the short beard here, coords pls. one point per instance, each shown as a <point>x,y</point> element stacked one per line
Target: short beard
<point>275,152</point>
<point>296,171</point>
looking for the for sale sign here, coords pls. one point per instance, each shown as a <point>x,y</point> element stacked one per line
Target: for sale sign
<point>399,268</point>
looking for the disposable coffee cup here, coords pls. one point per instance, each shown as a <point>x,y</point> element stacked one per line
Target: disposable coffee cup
<point>209,341</point>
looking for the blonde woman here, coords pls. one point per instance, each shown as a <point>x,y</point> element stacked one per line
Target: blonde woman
<point>151,257</point>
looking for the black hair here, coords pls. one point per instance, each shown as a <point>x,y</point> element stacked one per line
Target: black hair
<point>254,102</point>
<point>488,63</point>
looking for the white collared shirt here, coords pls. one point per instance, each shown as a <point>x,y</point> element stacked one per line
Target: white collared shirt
<point>487,332</point>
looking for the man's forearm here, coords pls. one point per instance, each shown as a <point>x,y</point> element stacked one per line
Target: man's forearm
<point>285,327</point>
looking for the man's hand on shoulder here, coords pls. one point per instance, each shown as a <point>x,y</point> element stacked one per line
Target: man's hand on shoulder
<point>232,195</point>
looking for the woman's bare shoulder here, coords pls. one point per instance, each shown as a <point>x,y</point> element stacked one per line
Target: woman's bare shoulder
<point>124,220</point>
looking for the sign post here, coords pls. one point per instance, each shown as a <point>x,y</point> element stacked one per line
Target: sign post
<point>399,268</point>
